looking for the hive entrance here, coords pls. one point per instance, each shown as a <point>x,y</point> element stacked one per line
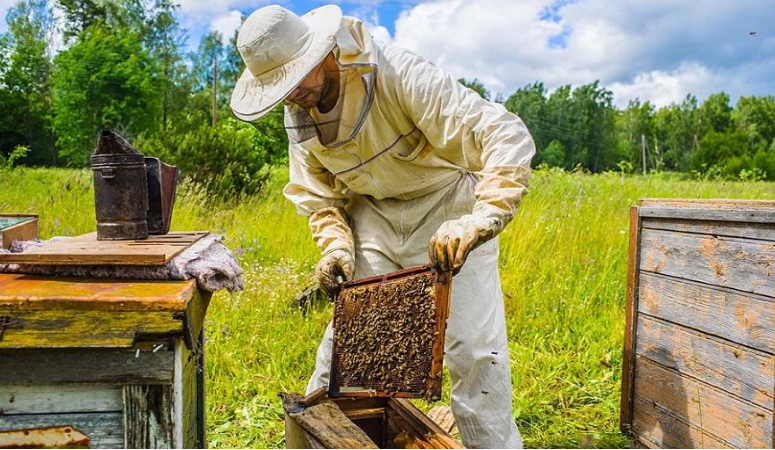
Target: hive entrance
<point>389,335</point>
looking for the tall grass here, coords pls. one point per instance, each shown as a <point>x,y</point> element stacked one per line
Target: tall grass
<point>563,265</point>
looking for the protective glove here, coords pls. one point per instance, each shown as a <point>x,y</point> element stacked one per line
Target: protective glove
<point>455,239</point>
<point>337,263</point>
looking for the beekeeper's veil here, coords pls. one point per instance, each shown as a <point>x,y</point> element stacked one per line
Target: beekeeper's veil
<point>280,49</point>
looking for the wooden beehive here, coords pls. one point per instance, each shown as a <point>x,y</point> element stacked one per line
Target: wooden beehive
<point>17,227</point>
<point>360,422</point>
<point>389,335</point>
<point>101,363</point>
<point>698,369</point>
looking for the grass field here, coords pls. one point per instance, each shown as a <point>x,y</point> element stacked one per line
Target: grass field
<point>563,265</point>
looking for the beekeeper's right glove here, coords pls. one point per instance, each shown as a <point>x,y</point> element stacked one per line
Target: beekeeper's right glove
<point>332,233</point>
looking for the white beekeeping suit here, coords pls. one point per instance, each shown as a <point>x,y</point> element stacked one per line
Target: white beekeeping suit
<point>414,156</point>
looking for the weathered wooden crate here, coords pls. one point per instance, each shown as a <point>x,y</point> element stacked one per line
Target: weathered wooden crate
<point>360,422</point>
<point>117,361</point>
<point>17,227</point>
<point>698,368</point>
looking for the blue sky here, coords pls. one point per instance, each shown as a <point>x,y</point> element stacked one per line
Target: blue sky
<point>656,50</point>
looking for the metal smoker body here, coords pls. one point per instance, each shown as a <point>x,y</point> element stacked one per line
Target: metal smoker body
<point>133,195</point>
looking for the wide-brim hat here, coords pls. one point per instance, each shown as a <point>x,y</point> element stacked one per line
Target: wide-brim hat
<point>280,49</point>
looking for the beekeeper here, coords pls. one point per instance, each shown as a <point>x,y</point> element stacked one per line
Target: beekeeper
<point>396,163</point>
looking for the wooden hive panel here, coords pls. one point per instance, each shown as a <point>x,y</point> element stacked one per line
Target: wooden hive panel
<point>698,366</point>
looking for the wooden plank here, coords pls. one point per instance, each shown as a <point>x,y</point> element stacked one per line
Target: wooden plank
<point>730,262</point>
<point>33,292</point>
<point>742,318</point>
<point>658,429</point>
<point>47,437</point>
<point>87,250</point>
<point>148,416</point>
<point>737,422</point>
<point>707,203</point>
<point>421,424</point>
<point>631,308</point>
<point>741,371</point>
<point>189,394</point>
<point>52,398</point>
<point>68,329</point>
<point>327,423</point>
<point>86,366</point>
<point>105,430</point>
<point>728,215</point>
<point>762,231</point>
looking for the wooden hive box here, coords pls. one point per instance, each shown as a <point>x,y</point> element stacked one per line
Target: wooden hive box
<point>17,227</point>
<point>360,422</point>
<point>698,369</point>
<point>101,363</point>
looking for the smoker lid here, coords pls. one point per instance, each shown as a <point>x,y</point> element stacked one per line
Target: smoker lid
<point>111,143</point>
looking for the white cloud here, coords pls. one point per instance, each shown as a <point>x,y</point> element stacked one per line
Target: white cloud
<point>658,50</point>
<point>226,24</point>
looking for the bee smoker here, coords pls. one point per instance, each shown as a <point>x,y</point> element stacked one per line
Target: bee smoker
<point>133,194</point>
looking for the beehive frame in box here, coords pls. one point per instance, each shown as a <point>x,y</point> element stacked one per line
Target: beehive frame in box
<point>389,335</point>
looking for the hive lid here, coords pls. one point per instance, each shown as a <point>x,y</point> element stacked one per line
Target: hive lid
<point>87,250</point>
<point>63,312</point>
<point>389,335</point>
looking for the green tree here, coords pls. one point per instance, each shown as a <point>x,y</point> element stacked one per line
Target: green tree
<point>553,155</point>
<point>476,85</point>
<point>755,116</point>
<point>25,92</point>
<point>81,14</point>
<point>105,80</point>
<point>726,150</point>
<point>529,103</point>
<point>716,114</point>
<point>633,125</point>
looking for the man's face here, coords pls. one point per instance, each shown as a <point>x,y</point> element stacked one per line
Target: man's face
<point>311,89</point>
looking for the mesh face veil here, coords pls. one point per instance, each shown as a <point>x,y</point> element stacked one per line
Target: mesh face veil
<point>339,125</point>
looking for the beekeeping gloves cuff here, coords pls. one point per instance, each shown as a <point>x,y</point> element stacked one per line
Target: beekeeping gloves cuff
<point>331,230</point>
<point>332,233</point>
<point>498,195</point>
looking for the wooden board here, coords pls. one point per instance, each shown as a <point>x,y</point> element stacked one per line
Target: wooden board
<point>746,265</point>
<point>87,366</point>
<point>105,430</point>
<point>148,416</point>
<point>33,292</point>
<point>741,423</point>
<point>87,250</point>
<point>743,372</point>
<point>53,398</point>
<point>742,318</point>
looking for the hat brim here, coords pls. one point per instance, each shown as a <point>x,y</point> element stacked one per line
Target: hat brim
<point>253,97</point>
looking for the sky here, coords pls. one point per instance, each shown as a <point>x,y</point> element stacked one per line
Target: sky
<point>656,50</point>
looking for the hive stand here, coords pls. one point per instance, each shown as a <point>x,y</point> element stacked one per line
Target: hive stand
<point>118,361</point>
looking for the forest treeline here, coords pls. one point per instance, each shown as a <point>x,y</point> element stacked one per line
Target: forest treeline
<point>123,65</point>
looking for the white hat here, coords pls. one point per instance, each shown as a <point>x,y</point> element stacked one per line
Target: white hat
<point>279,49</point>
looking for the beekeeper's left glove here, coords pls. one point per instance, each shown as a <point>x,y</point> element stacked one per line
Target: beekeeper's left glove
<point>455,239</point>
<point>331,266</point>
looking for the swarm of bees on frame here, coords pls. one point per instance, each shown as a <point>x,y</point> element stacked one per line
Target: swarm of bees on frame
<point>384,335</point>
